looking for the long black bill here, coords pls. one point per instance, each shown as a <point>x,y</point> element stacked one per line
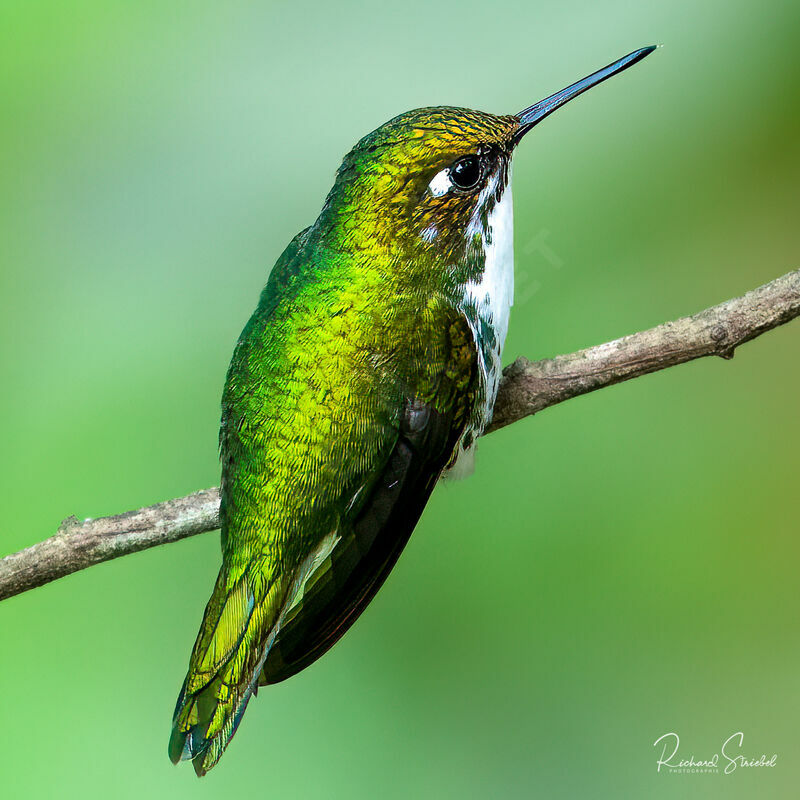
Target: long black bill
<point>538,111</point>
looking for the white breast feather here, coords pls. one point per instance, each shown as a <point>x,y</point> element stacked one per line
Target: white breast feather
<point>493,296</point>
<point>494,293</point>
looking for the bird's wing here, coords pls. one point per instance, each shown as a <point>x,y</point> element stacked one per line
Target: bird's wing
<point>369,543</point>
<point>329,453</point>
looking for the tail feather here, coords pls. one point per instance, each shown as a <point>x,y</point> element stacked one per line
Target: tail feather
<point>239,626</point>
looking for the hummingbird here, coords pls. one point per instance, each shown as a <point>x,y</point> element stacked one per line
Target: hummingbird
<point>365,375</point>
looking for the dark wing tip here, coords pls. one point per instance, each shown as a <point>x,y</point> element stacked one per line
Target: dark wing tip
<point>185,746</point>
<point>177,746</point>
<point>199,764</point>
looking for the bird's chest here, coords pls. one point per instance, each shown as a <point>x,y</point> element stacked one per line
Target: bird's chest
<point>487,306</point>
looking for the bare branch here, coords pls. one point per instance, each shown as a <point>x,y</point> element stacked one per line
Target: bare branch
<point>527,388</point>
<point>532,386</point>
<point>79,544</point>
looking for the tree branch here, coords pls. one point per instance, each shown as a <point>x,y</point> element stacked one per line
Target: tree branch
<point>527,388</point>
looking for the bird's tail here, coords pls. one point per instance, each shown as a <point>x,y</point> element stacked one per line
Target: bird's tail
<point>237,632</point>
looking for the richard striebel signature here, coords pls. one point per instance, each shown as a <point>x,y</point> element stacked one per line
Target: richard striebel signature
<point>731,761</point>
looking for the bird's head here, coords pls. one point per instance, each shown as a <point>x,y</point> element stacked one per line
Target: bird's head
<point>428,180</point>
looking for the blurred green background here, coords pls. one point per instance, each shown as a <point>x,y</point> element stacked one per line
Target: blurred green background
<point>619,567</point>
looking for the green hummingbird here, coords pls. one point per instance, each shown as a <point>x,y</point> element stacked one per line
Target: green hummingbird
<point>367,372</point>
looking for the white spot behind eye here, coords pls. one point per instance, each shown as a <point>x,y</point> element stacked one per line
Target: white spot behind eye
<point>441,183</point>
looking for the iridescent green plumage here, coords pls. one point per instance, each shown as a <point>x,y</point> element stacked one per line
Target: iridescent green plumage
<point>370,363</point>
<point>346,395</point>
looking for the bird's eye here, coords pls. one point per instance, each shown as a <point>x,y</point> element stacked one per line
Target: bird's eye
<point>466,172</point>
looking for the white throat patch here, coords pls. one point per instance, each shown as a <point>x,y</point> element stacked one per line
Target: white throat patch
<point>493,294</point>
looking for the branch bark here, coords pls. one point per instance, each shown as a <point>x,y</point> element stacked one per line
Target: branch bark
<point>527,388</point>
